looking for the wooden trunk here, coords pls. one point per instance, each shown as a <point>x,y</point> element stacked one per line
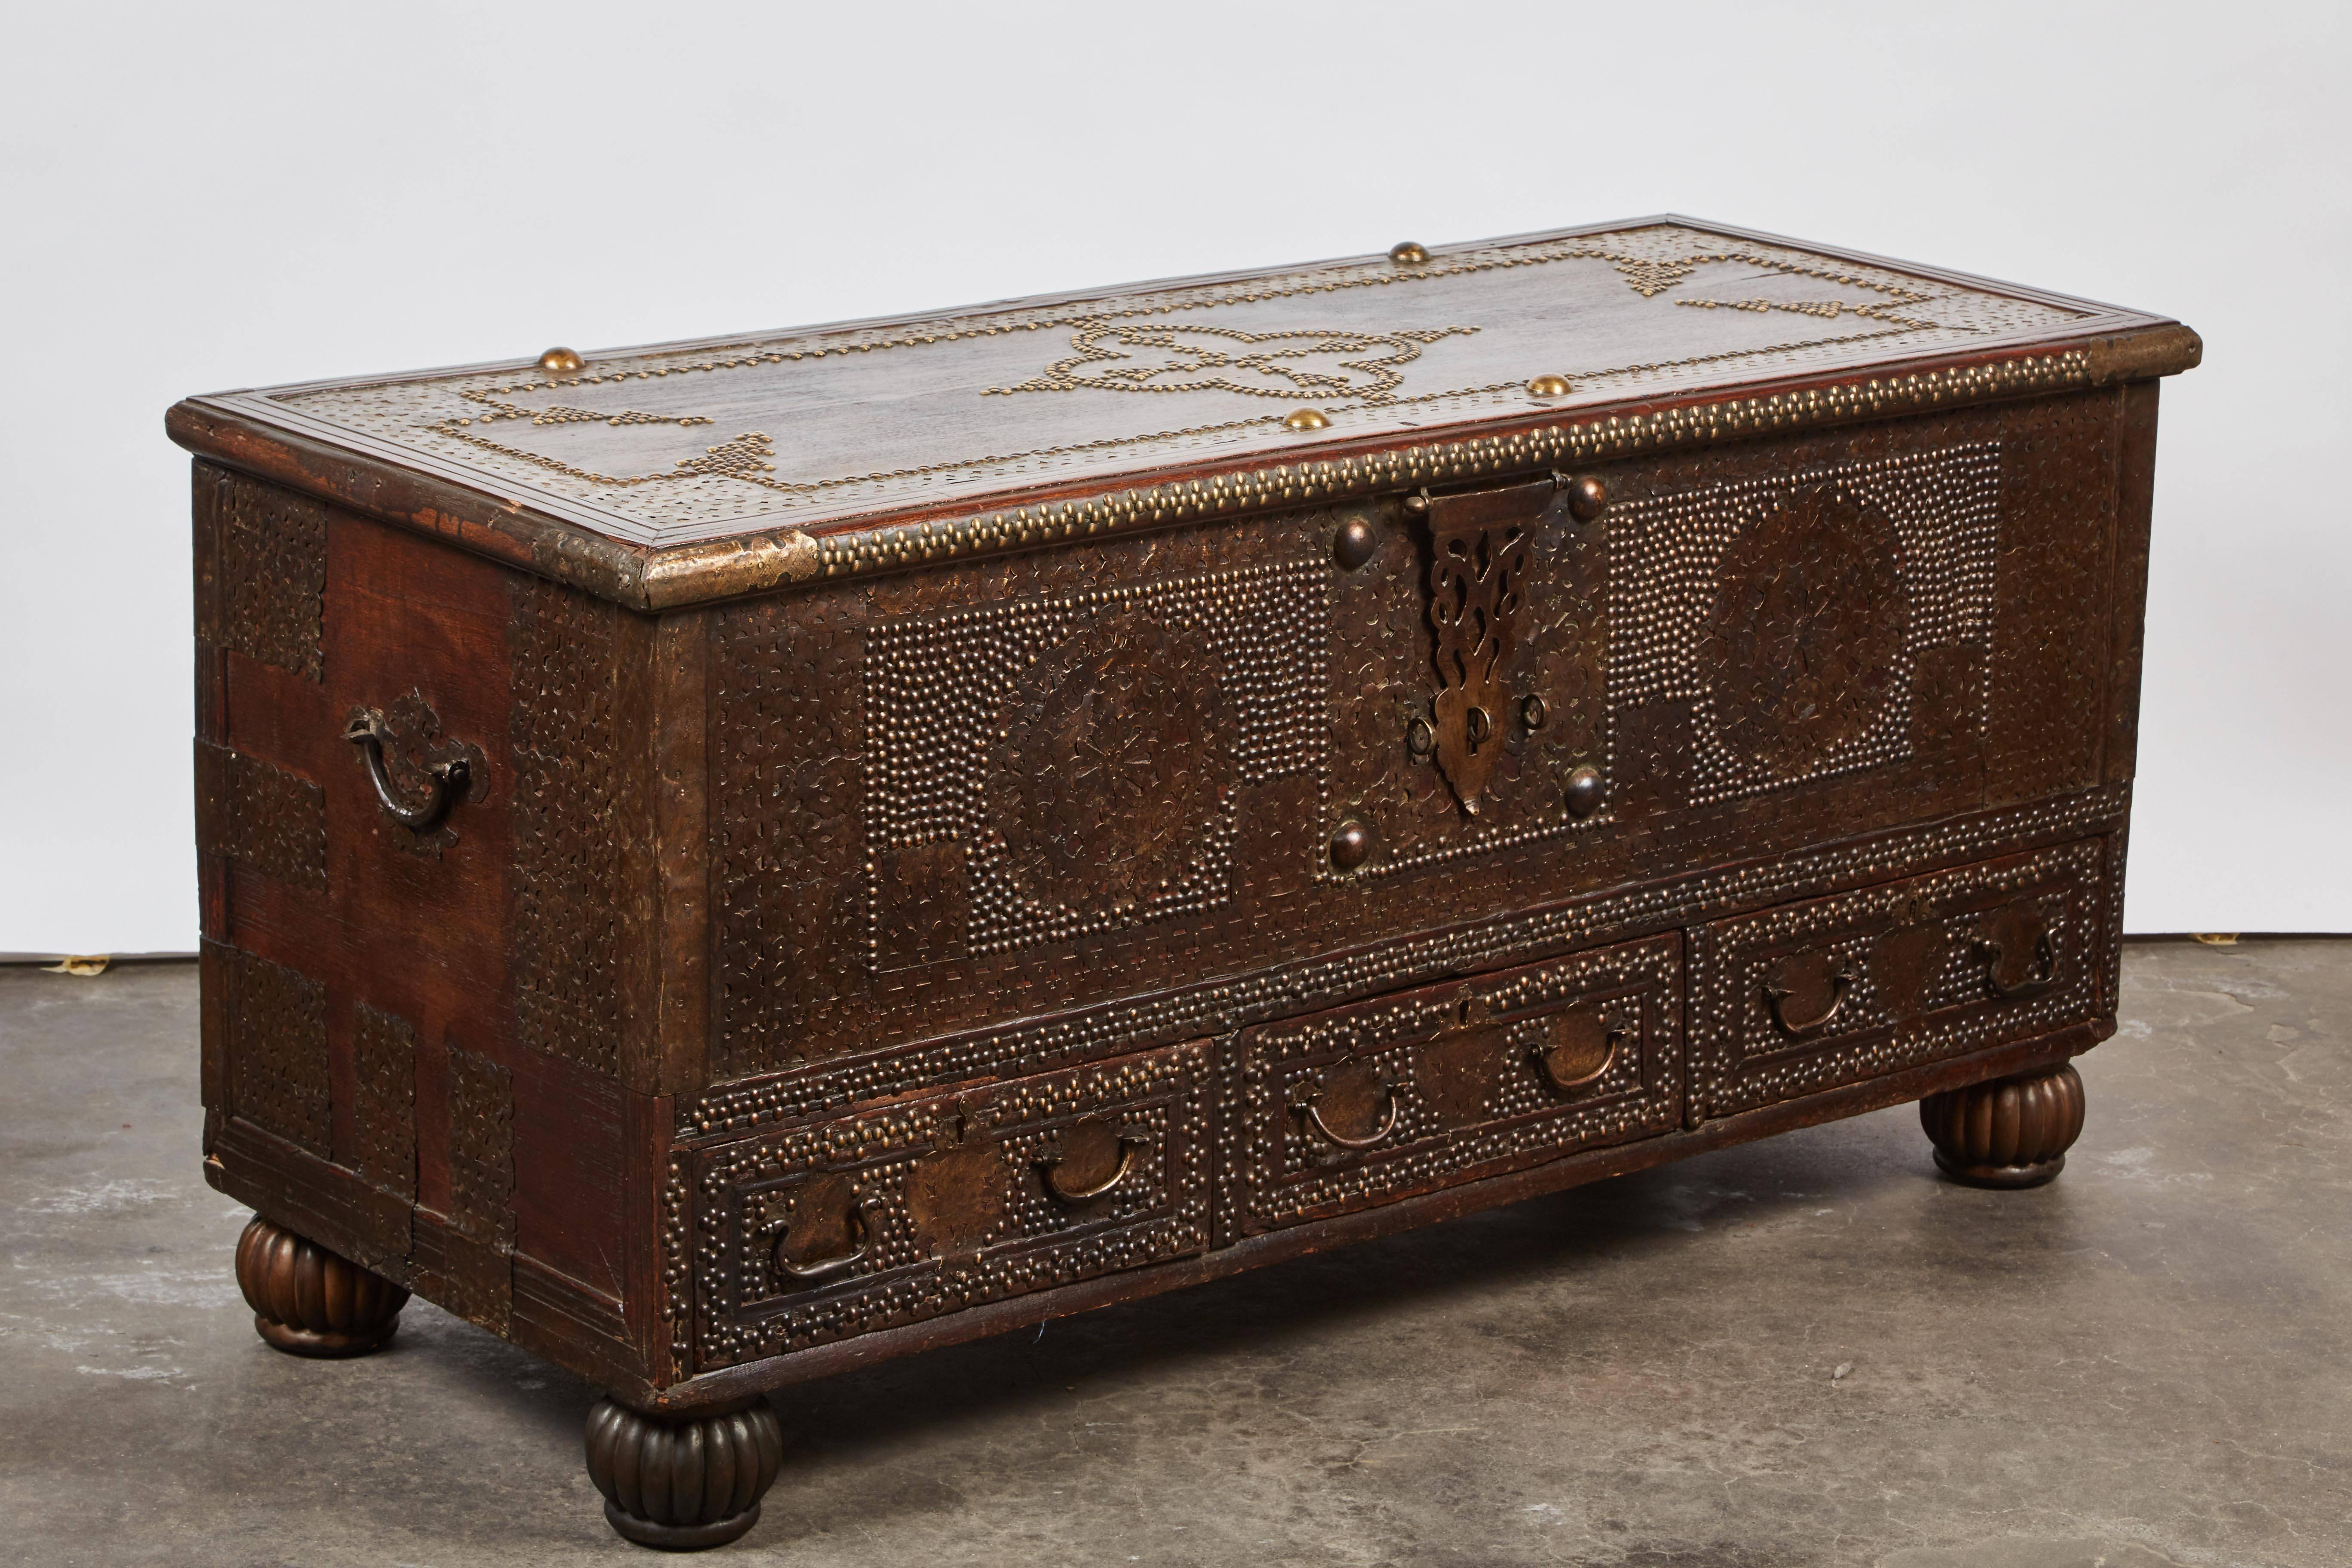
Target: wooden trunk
<point>890,832</point>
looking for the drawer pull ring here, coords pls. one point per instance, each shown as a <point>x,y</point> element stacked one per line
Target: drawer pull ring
<point>2045,960</point>
<point>1050,1173</point>
<point>1544,1054</point>
<point>826,1268</point>
<point>1840,987</point>
<point>449,778</point>
<point>1322,1129</point>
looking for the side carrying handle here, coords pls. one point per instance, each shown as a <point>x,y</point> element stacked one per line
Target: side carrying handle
<point>2045,961</point>
<point>1841,988</point>
<point>449,778</point>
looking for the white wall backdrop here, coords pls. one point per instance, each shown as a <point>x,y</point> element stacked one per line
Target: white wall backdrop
<point>201,197</point>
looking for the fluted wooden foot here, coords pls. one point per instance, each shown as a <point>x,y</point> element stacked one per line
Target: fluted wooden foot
<point>687,1484</point>
<point>307,1301</point>
<point>2009,1133</point>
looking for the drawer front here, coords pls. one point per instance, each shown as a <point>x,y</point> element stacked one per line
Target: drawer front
<point>1812,995</point>
<point>909,1212</point>
<point>1370,1103</point>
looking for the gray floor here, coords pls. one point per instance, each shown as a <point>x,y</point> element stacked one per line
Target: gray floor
<point>1804,1351</point>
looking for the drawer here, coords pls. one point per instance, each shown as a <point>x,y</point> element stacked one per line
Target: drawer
<point>926,1207</point>
<point>1833,991</point>
<point>1365,1104</point>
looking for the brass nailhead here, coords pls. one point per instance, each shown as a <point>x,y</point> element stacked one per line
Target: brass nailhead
<point>561,361</point>
<point>1308,419</point>
<point>1584,791</point>
<point>1408,253</point>
<point>1586,498</point>
<point>1549,386</point>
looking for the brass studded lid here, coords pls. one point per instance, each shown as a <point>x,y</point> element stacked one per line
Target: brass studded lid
<point>689,472</point>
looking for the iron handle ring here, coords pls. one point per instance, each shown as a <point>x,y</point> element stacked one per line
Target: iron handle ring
<point>2045,959</point>
<point>1542,1055</point>
<point>1049,1172</point>
<point>1841,988</point>
<point>826,1268</point>
<point>1312,1113</point>
<point>449,778</point>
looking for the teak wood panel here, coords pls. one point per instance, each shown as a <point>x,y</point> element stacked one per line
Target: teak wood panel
<point>379,1002</point>
<point>1026,785</point>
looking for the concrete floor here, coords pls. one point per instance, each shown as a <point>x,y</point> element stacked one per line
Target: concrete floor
<point>1805,1352</point>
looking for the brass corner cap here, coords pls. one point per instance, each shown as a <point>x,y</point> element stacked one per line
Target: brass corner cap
<point>2166,350</point>
<point>728,568</point>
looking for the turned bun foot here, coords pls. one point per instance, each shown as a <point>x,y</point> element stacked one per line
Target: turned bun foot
<point>685,1484</point>
<point>2009,1133</point>
<point>307,1301</point>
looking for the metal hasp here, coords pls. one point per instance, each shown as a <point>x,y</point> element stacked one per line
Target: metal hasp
<point>1477,571</point>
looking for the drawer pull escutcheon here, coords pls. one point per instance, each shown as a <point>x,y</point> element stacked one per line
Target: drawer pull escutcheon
<point>1314,1114</point>
<point>2045,959</point>
<point>449,778</point>
<point>1543,1058</point>
<point>826,1268</point>
<point>1840,987</point>
<point>1049,1172</point>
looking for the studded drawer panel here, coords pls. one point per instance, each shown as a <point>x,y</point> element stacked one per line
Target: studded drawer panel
<point>1353,1107</point>
<point>1811,995</point>
<point>926,1206</point>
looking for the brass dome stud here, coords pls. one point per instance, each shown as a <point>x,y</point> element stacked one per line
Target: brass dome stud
<point>1549,386</point>
<point>1586,498</point>
<point>1354,544</point>
<point>1308,419</point>
<point>1351,846</point>
<point>561,361</point>
<point>1408,253</point>
<point>1584,791</point>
